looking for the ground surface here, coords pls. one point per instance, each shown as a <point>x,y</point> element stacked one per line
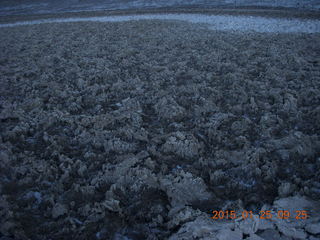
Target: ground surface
<point>242,24</point>
<point>138,130</point>
<point>278,13</point>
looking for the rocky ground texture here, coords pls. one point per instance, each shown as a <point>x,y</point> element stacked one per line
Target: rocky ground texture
<point>140,130</point>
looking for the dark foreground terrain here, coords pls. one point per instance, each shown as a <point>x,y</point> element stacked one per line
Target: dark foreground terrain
<point>139,130</point>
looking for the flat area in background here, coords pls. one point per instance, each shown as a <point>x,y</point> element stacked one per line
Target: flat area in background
<point>249,11</point>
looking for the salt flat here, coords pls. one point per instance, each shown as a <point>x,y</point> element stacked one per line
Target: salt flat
<point>214,22</point>
<point>138,126</point>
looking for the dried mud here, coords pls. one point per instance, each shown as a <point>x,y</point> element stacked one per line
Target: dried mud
<point>138,130</point>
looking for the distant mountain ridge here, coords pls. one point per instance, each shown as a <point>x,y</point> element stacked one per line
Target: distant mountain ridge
<point>14,7</point>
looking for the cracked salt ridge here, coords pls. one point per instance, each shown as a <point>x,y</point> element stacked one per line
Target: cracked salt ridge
<point>216,22</point>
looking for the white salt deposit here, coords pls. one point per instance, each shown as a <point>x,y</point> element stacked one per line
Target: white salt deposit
<point>214,22</point>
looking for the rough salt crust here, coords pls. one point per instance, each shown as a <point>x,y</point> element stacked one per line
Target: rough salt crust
<point>137,130</point>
